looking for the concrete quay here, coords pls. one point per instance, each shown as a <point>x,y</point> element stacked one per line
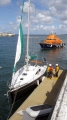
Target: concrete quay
<point>46,92</point>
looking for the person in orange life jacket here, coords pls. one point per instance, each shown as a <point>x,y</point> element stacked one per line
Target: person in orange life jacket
<point>50,70</point>
<point>56,70</point>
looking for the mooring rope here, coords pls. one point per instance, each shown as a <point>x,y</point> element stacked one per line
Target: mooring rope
<point>12,105</point>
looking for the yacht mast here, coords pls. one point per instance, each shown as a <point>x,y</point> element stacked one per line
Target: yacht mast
<point>28,34</point>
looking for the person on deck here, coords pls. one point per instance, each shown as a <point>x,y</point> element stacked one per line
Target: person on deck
<point>56,70</point>
<point>49,71</point>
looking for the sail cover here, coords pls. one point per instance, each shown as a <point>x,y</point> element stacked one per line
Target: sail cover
<point>20,45</point>
<point>33,57</point>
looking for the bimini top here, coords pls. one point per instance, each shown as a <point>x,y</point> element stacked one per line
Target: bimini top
<point>53,39</point>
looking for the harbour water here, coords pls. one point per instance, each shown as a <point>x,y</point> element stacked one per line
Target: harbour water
<point>7,56</point>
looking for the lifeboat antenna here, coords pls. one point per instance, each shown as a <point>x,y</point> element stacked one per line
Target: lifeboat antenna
<point>52,31</point>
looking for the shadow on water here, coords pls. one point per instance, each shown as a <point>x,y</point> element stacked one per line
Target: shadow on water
<point>46,49</point>
<point>52,50</point>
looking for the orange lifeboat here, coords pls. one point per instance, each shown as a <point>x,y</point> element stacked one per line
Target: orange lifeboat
<point>52,41</point>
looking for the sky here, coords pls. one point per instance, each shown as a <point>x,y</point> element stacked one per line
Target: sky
<point>45,16</point>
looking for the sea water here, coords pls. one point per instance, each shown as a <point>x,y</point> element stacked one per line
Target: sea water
<point>7,57</point>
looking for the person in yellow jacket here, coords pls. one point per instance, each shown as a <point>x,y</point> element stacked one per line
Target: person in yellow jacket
<point>56,70</point>
<point>49,71</point>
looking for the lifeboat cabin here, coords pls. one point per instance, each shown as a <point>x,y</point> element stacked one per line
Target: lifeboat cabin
<point>52,41</point>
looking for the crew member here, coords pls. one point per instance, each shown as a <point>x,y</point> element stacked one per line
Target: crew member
<point>56,70</point>
<point>50,71</point>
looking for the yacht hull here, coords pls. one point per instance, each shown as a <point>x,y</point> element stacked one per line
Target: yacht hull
<point>22,91</point>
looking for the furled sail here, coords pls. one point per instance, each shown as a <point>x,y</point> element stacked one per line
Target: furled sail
<point>20,45</point>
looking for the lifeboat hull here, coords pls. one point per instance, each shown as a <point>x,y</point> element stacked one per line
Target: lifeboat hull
<point>51,46</point>
<point>47,46</point>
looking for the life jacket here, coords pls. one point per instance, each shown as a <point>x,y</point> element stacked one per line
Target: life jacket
<point>50,68</point>
<point>57,68</point>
